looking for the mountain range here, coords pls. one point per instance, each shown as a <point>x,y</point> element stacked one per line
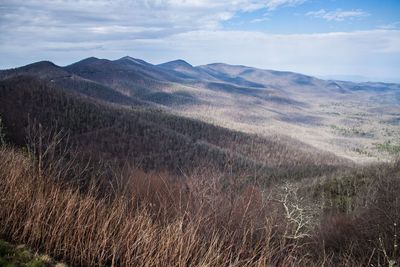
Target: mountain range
<point>339,117</point>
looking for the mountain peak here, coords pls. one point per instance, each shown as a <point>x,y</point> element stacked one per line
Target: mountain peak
<point>89,60</point>
<point>41,69</point>
<point>44,67</point>
<point>128,59</point>
<point>86,61</point>
<point>41,64</point>
<point>179,63</point>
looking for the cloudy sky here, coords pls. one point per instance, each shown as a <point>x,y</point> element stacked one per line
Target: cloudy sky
<point>335,38</point>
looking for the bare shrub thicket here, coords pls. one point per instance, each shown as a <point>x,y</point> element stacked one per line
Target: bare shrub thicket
<point>2,133</point>
<point>366,232</point>
<point>152,222</point>
<point>132,218</point>
<point>125,217</point>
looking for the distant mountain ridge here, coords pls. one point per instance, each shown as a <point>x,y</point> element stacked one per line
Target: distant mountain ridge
<point>233,96</point>
<point>177,82</point>
<point>131,70</point>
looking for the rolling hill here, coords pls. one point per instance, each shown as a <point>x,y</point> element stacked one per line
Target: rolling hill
<point>151,138</point>
<point>345,118</point>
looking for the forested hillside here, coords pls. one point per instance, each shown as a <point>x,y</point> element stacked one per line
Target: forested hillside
<point>263,102</point>
<point>151,138</point>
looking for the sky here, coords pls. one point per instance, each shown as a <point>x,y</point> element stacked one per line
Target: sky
<point>353,39</point>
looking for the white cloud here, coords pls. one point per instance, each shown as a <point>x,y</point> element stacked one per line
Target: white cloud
<point>390,26</point>
<point>337,15</point>
<point>258,20</point>
<point>76,20</point>
<point>36,22</point>
<point>273,4</point>
<point>265,17</point>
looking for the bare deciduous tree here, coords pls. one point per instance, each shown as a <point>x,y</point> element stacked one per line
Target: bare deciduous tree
<point>2,134</point>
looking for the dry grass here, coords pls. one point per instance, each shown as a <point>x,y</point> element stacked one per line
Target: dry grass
<point>149,222</point>
<point>139,219</point>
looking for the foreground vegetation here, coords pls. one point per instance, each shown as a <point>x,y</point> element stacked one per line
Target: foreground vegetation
<point>131,218</point>
<point>21,256</point>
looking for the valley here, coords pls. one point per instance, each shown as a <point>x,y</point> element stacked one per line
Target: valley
<point>351,120</point>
